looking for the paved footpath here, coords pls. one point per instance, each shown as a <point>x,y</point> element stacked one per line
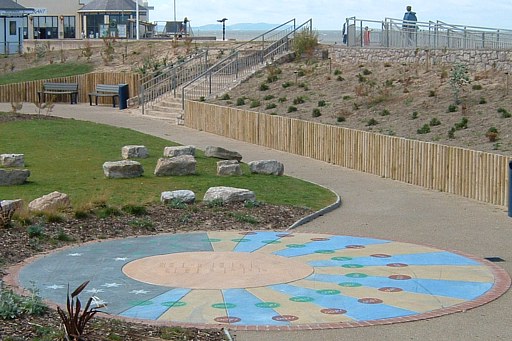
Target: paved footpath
<point>372,207</point>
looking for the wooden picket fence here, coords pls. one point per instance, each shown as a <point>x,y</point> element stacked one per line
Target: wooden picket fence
<point>27,91</point>
<point>468,173</point>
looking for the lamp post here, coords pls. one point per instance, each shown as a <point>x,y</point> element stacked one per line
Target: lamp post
<point>223,21</point>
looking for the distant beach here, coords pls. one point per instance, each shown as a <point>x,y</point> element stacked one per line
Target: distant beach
<point>324,36</point>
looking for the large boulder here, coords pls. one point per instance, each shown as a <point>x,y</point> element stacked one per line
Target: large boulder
<point>271,167</point>
<point>14,205</point>
<point>12,160</point>
<point>229,167</point>
<point>228,194</point>
<point>11,177</point>
<point>179,150</point>
<point>221,153</point>
<point>132,151</point>
<point>179,165</point>
<point>54,200</point>
<point>183,195</point>
<point>122,169</point>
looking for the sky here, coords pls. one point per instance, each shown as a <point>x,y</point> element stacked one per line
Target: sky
<point>330,14</point>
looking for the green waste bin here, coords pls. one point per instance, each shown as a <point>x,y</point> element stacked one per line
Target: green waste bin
<point>123,96</point>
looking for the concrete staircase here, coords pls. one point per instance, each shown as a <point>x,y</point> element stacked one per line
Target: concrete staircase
<point>168,109</point>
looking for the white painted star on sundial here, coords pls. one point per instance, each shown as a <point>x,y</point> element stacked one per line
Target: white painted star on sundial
<point>75,254</point>
<point>55,287</point>
<point>120,258</point>
<point>111,285</point>
<point>137,292</point>
<point>95,291</point>
<point>98,302</point>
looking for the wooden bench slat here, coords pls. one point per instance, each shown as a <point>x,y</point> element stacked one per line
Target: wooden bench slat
<point>105,90</point>
<point>59,89</point>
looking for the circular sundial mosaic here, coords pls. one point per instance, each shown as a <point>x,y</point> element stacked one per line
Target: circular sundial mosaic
<point>272,279</point>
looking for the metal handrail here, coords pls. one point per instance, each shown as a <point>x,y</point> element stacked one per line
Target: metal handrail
<point>397,33</point>
<point>165,82</point>
<point>240,63</point>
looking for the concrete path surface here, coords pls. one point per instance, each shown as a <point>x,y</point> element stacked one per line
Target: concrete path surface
<point>371,207</point>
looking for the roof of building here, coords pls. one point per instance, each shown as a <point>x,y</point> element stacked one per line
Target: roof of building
<point>10,5</point>
<point>111,6</point>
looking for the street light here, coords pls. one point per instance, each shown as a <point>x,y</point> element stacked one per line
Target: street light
<point>223,21</point>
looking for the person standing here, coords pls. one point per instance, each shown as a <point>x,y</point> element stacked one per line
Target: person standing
<point>409,24</point>
<point>366,36</point>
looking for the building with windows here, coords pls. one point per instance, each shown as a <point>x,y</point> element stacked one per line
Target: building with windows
<point>74,19</point>
<point>11,26</point>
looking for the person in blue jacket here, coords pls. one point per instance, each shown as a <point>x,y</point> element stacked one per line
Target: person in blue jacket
<point>409,24</point>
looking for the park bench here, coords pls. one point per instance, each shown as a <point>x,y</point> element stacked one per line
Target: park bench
<point>59,89</point>
<point>105,90</point>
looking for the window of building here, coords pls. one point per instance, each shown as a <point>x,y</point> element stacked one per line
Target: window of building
<point>25,27</point>
<point>69,27</point>
<point>12,28</point>
<point>45,27</point>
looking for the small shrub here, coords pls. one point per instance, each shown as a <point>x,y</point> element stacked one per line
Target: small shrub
<point>316,112</point>
<point>492,134</point>
<point>291,108</point>
<point>252,203</point>
<point>35,231</point>
<point>298,100</point>
<point>372,122</point>
<point>270,106</point>
<point>451,133</point>
<point>225,97</point>
<point>385,112</point>
<point>13,305</point>
<point>340,79</point>
<point>366,72</point>
<point>244,218</point>
<point>282,99</point>
<point>482,100</point>
<point>424,130</point>
<point>202,99</point>
<point>53,217</point>
<point>452,108</point>
<point>215,203</point>
<point>432,93</point>
<point>304,86</point>
<point>346,98</point>
<point>301,73</point>
<point>387,64</point>
<point>340,119</point>
<point>240,101</point>
<point>414,115</point>
<point>337,72</point>
<point>81,214</point>
<point>268,97</point>
<point>264,87</point>
<point>272,78</point>
<point>177,204</point>
<point>142,223</point>
<point>136,210</point>
<point>434,122</point>
<point>476,87</point>
<point>388,83</point>
<point>254,103</point>
<point>63,236</point>
<point>321,103</point>
<point>504,113</point>
<point>463,124</point>
<point>286,85</point>
<point>361,78</point>
<point>105,212</point>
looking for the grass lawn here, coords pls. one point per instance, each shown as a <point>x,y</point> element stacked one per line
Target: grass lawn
<point>45,72</point>
<point>67,156</point>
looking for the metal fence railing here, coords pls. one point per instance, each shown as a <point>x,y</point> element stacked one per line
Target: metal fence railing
<point>397,33</point>
<point>243,61</point>
<point>163,83</point>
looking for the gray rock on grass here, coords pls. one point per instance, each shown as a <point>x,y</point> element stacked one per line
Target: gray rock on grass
<point>122,169</point>
<point>228,194</point>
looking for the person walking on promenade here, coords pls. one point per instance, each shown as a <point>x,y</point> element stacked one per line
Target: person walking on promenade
<point>409,25</point>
